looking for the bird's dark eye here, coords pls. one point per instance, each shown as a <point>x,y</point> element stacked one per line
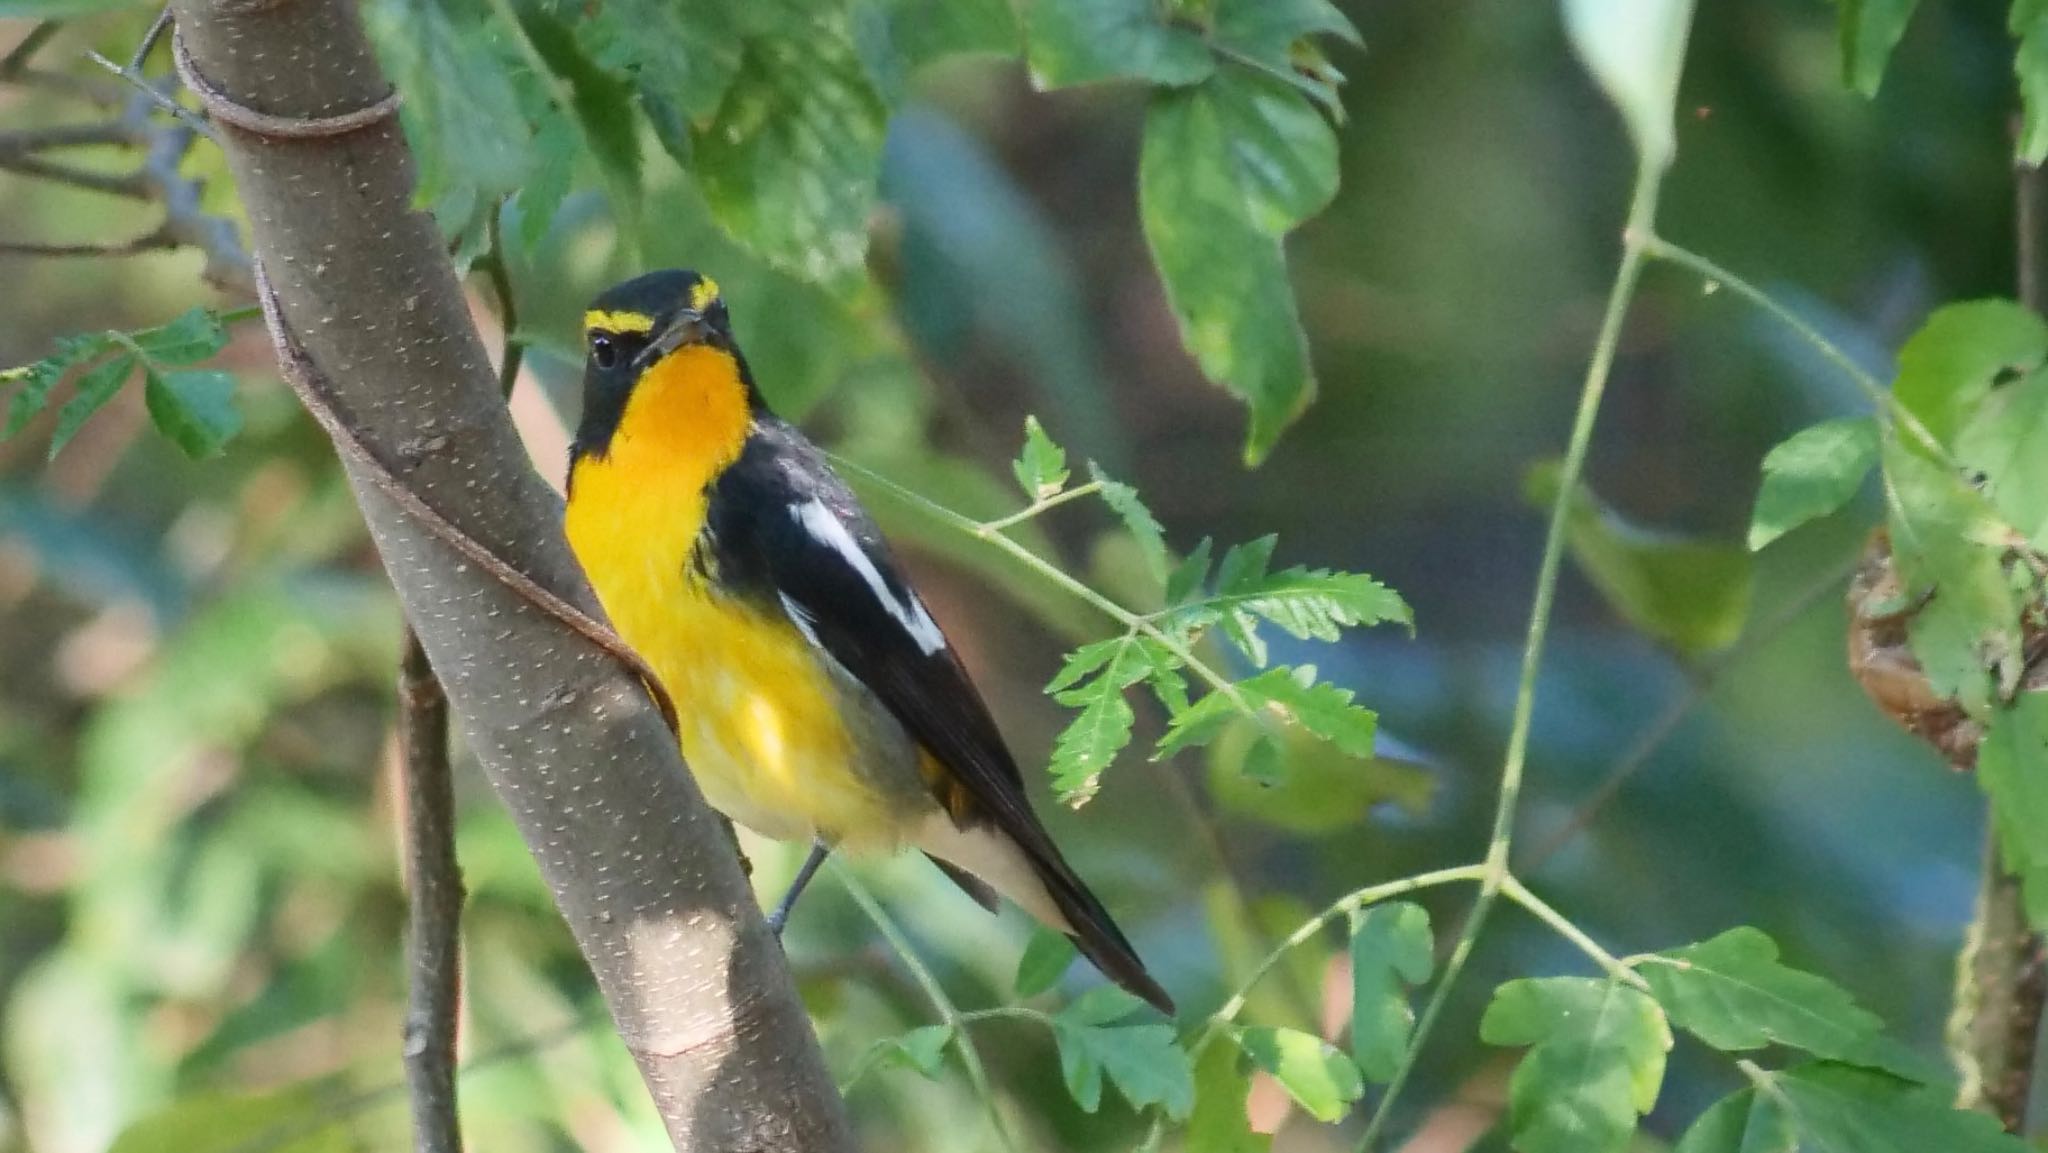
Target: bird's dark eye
<point>604,351</point>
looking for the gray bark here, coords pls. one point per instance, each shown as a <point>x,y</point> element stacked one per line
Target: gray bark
<point>639,866</point>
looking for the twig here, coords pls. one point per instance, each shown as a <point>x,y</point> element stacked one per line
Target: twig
<point>126,184</point>
<point>17,59</point>
<point>151,242</point>
<point>149,40</point>
<point>434,932</point>
<point>154,95</point>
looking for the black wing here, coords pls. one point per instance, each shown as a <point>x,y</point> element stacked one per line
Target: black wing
<point>786,532</point>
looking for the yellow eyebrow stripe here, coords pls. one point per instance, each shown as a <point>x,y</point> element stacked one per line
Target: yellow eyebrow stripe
<point>705,292</point>
<point>595,320</point>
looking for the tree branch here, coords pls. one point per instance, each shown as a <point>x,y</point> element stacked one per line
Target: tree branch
<point>366,300</point>
<point>434,883</point>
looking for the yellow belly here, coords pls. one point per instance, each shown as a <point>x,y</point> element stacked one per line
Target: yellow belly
<point>764,724</point>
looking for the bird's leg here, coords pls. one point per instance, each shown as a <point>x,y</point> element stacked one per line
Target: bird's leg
<point>780,917</point>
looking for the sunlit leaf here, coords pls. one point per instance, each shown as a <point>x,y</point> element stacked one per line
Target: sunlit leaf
<point>1138,520</point>
<point>1391,950</point>
<point>1083,41</point>
<point>1596,1063</point>
<point>1811,475</point>
<point>1227,169</point>
<point>1041,467</point>
<point>1285,696</point>
<point>1635,50</point>
<point>2030,64</point>
<point>1219,1122</point>
<point>1948,366</point>
<point>1317,1074</point>
<point>2006,442</point>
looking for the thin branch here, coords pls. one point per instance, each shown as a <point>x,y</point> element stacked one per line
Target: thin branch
<point>949,1013</point>
<point>155,95</point>
<point>151,242</point>
<point>127,184</point>
<point>26,140</point>
<point>149,40</point>
<point>434,932</point>
<point>17,59</point>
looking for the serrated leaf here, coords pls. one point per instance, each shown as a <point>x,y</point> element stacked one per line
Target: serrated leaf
<point>1827,1108</point>
<point>1391,950</point>
<point>1732,992</point>
<point>33,383</point>
<point>1284,696</point>
<point>95,388</point>
<point>1812,474</point>
<point>1635,50</point>
<point>1312,604</point>
<point>1089,744</point>
<point>1044,961</point>
<point>1226,170</point>
<point>789,162</point>
<point>601,103</point>
<point>194,409</point>
<point>1220,1122</point>
<point>1190,574</point>
<point>1320,1078</point>
<point>462,114</point>
<point>1947,544</point>
<point>1692,594</point>
<point>1084,41</point>
<point>1870,29</point>
<point>193,336</point>
<point>1948,366</point>
<point>2009,769</point>
<point>1144,528</point>
<point>1143,1061</point>
<point>1596,1063</point>
<point>2006,441</point>
<point>1244,565</point>
<point>1041,467</point>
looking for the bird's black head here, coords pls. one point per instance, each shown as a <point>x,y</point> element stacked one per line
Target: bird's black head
<point>632,326</point>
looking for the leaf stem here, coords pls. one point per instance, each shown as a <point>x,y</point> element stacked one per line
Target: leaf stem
<point>989,528</point>
<point>970,1057</point>
<point>1514,890</point>
<point>1640,231</point>
<point>1888,405</point>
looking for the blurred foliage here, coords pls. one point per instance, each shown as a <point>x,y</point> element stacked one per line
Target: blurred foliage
<point>199,891</point>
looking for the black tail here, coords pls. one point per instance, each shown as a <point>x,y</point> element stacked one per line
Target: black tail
<point>1097,936</point>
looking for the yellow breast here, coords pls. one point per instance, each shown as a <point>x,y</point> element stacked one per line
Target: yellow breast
<point>762,724</point>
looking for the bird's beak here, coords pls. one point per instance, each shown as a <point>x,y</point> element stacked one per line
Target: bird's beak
<point>687,328</point>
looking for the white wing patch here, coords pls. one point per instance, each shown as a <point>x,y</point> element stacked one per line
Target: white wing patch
<point>824,526</point>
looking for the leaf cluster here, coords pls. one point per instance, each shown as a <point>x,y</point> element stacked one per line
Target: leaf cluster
<point>194,408</point>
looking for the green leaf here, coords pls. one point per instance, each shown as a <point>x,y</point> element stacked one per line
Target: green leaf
<point>1319,789</point>
<point>1190,574</point>
<point>95,388</point>
<point>1219,1122</point>
<point>1733,993</point>
<point>1948,366</point>
<point>1226,170</point>
<point>681,55</point>
<point>1090,743</point>
<point>1811,475</point>
<point>1596,1065</point>
<point>1279,34</point>
<point>1690,594</point>
<point>1391,949</point>
<point>2009,769</point>
<point>2006,440</point>
<point>1143,1061</point>
<point>922,1049</point>
<point>1099,1006</point>
<point>1287,696</point>
<point>1948,546</point>
<point>789,162</point>
<point>196,410</point>
<point>1635,50</point>
<point>1045,960</point>
<point>33,383</point>
<point>1825,1108</point>
<point>1870,29</point>
<point>923,31</point>
<point>1041,467</point>
<point>1084,41</point>
<point>1310,604</point>
<point>462,113</point>
<point>1317,1074</point>
<point>1138,520</point>
<point>601,103</point>
<point>194,336</point>
<point>213,1123</point>
<point>556,146</point>
<point>2030,64</point>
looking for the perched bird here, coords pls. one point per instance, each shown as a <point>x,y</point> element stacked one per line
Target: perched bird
<point>819,699</point>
